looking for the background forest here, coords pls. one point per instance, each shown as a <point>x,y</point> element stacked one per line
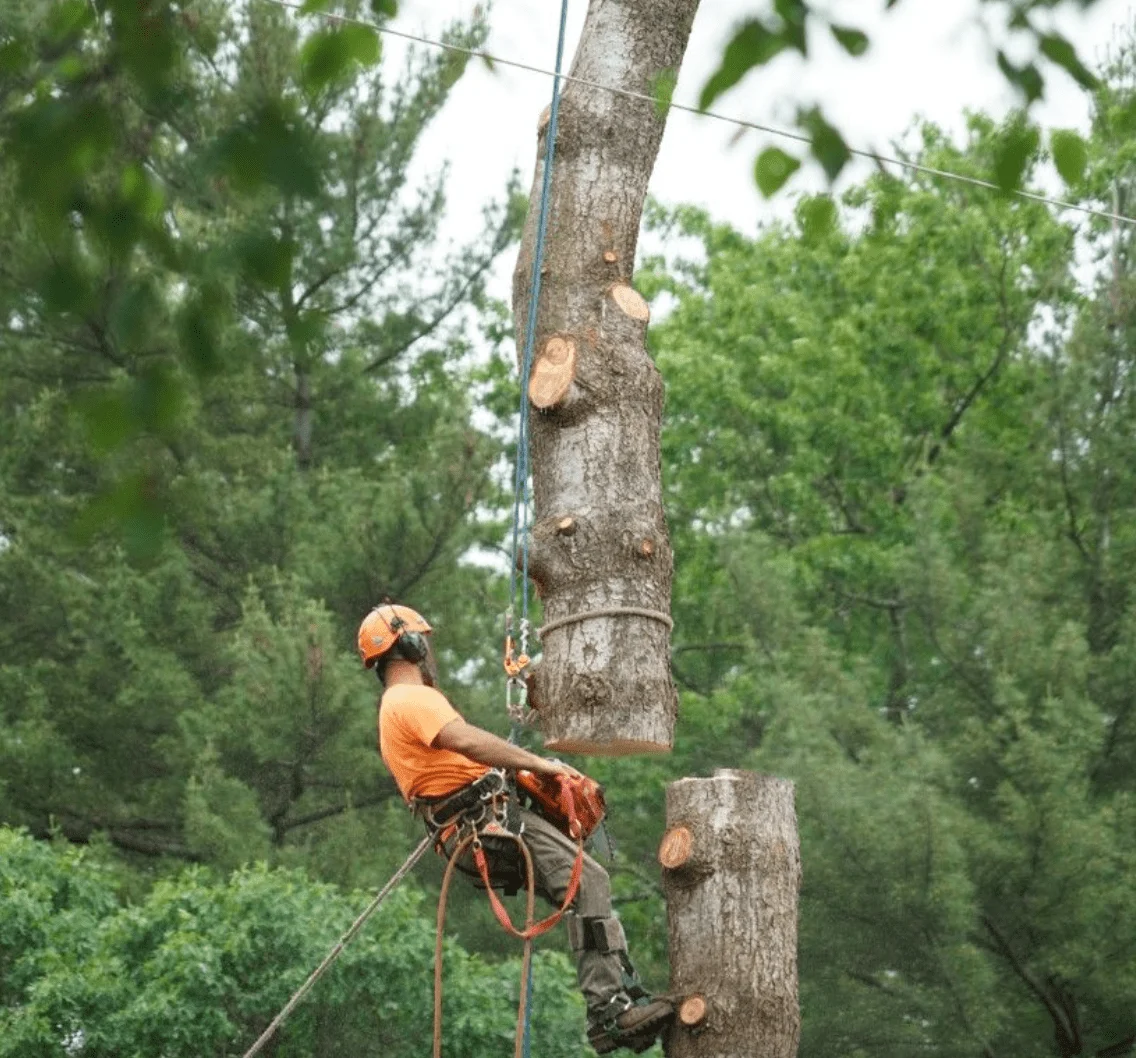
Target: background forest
<point>246,392</point>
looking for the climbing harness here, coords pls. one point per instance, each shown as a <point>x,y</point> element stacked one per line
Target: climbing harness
<point>337,950</point>
<point>483,810</point>
<point>458,827</point>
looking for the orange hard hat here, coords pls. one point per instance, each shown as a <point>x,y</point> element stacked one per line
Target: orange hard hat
<point>384,626</point>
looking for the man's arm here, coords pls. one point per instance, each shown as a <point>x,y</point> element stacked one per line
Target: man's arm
<point>486,748</point>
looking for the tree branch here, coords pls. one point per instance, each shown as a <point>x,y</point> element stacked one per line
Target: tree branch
<point>129,841</point>
<point>432,325</point>
<point>1066,1031</point>
<point>335,810</point>
<point>1074,531</point>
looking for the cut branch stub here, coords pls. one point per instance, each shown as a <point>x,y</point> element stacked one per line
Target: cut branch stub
<point>611,256</point>
<point>631,302</point>
<point>675,848</point>
<point>566,526</point>
<point>692,1011</point>
<point>553,372</point>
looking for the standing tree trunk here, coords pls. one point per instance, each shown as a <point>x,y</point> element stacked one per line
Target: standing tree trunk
<point>731,873</point>
<point>599,537</point>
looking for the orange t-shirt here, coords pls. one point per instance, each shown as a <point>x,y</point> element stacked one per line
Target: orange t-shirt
<point>410,717</point>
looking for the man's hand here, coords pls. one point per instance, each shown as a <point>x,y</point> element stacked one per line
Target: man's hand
<point>556,767</point>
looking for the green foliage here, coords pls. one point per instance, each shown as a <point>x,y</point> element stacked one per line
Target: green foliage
<point>897,466</point>
<point>753,45</point>
<point>1014,154</point>
<point>1026,78</point>
<point>760,40</point>
<point>900,462</point>
<point>816,216</point>
<point>1070,155</point>
<point>1061,53</point>
<point>330,54</point>
<point>662,88</point>
<point>828,145</point>
<point>773,169</point>
<point>853,41</point>
<point>201,965</point>
<point>176,182</point>
<point>213,373</point>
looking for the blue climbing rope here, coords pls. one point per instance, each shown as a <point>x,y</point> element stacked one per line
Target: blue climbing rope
<point>522,495</point>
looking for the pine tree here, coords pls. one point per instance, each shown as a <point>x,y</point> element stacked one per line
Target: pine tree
<point>240,389</point>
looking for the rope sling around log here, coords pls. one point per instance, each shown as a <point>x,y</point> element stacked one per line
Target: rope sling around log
<point>606,611</point>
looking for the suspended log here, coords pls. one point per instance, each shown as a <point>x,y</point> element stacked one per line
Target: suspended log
<point>731,875</point>
<point>604,683</point>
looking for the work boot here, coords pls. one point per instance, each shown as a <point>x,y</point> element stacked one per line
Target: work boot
<point>625,1022</point>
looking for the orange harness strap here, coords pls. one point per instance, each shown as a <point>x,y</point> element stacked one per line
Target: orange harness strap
<point>568,809</point>
<point>533,929</point>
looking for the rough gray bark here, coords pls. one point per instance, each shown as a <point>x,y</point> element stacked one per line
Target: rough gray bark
<point>302,424</point>
<point>604,683</point>
<point>732,872</point>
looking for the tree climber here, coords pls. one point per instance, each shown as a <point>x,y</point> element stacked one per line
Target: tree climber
<point>433,754</point>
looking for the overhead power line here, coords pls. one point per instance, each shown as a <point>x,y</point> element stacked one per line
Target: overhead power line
<point>729,119</point>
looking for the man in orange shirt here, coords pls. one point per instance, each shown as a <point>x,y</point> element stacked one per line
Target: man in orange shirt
<point>432,753</point>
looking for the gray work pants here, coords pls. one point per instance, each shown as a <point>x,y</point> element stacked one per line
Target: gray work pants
<point>599,974</point>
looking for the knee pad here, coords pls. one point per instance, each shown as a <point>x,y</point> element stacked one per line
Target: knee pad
<point>603,935</point>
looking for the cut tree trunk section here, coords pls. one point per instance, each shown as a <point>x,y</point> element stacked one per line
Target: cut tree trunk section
<point>604,684</point>
<point>731,874</point>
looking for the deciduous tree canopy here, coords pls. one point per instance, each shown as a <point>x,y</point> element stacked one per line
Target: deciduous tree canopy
<point>244,396</point>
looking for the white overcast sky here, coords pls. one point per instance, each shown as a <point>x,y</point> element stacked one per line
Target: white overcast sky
<point>929,59</point>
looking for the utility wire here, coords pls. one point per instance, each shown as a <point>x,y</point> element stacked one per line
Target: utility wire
<point>771,130</point>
